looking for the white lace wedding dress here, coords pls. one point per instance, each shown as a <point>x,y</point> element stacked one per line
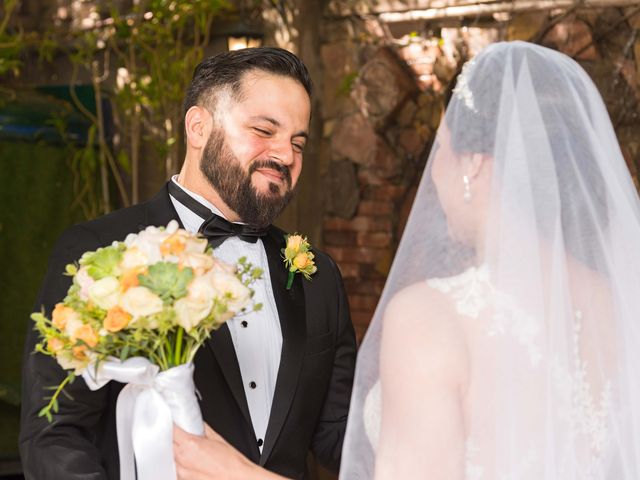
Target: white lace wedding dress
<point>494,322</point>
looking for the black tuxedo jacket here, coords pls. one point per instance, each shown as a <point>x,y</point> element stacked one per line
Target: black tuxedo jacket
<point>313,386</point>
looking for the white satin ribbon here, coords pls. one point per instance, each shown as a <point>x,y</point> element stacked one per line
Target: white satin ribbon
<point>147,408</point>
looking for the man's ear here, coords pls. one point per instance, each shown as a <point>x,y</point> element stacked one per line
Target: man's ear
<point>197,124</point>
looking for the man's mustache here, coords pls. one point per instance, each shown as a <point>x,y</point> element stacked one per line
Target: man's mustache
<point>278,167</point>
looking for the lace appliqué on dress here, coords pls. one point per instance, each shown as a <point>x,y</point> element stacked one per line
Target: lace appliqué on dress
<point>586,416</point>
<point>472,292</point>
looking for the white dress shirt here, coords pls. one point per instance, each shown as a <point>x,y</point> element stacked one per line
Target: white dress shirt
<point>257,337</point>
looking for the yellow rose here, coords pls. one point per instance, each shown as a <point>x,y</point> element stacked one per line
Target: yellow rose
<point>140,302</point>
<point>294,242</point>
<point>116,319</point>
<point>86,334</point>
<point>105,293</point>
<point>301,261</point>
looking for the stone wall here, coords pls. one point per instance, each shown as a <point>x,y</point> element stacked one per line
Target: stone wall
<point>383,96</point>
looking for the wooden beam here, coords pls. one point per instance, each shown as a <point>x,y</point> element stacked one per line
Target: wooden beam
<point>392,11</point>
<point>489,8</point>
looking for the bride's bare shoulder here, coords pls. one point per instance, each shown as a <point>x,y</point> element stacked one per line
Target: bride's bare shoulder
<point>421,326</point>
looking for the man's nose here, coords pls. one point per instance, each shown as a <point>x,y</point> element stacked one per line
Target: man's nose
<point>282,152</point>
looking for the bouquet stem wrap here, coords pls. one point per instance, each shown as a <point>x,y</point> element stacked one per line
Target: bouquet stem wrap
<point>147,408</point>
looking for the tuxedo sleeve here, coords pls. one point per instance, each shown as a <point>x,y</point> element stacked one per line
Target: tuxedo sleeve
<point>329,434</point>
<point>66,448</point>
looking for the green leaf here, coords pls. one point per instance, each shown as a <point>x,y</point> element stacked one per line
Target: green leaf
<point>167,281</point>
<point>103,262</point>
<point>124,353</point>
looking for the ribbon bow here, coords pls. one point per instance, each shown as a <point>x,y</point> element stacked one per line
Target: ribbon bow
<point>147,408</point>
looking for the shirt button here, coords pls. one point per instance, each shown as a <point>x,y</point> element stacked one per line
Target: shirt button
<point>244,324</point>
<point>252,384</point>
<point>260,442</point>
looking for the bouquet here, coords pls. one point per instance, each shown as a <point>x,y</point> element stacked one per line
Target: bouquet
<point>137,312</point>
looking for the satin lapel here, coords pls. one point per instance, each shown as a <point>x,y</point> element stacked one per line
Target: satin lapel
<point>291,312</point>
<point>159,212</point>
<point>221,345</point>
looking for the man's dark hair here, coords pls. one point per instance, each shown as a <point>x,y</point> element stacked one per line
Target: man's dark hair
<point>226,70</point>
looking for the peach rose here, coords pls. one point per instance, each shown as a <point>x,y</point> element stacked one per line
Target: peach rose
<point>61,315</point>
<point>54,345</point>
<point>80,352</point>
<point>116,319</point>
<point>86,334</point>
<point>173,245</point>
<point>130,278</point>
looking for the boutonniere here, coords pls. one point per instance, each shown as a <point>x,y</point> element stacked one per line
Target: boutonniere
<point>298,258</point>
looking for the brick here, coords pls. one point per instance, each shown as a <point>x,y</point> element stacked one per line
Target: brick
<point>373,239</point>
<point>363,302</point>
<point>361,330</point>
<point>340,238</point>
<point>361,319</point>
<point>358,224</point>
<point>375,208</point>
<point>385,192</point>
<point>354,254</point>
<point>349,269</point>
<point>366,286</point>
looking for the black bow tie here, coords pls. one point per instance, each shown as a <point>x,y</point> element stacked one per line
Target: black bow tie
<point>216,228</point>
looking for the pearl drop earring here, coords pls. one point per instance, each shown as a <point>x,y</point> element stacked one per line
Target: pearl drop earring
<point>467,189</point>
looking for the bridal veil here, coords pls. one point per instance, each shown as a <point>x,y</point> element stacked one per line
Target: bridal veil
<point>524,239</point>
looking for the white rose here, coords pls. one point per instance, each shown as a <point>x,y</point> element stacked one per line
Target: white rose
<point>140,302</point>
<point>222,266</point>
<point>68,362</point>
<point>193,244</point>
<point>228,284</point>
<point>148,242</point>
<point>202,288</point>
<point>105,292</point>
<point>133,258</point>
<point>84,281</point>
<point>200,262</point>
<point>191,311</point>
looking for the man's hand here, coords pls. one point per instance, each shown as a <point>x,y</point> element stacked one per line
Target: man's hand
<point>212,458</point>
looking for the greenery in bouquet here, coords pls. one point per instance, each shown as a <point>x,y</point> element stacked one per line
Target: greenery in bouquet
<point>157,295</point>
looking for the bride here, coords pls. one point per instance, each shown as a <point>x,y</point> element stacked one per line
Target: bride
<point>506,341</point>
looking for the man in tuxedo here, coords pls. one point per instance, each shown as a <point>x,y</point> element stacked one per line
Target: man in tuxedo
<point>274,383</point>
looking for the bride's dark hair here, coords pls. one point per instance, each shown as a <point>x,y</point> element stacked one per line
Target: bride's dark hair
<point>579,190</point>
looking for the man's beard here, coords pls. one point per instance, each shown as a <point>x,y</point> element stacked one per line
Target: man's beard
<point>225,174</point>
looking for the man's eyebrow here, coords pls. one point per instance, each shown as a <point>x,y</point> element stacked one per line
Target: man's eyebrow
<point>276,123</point>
